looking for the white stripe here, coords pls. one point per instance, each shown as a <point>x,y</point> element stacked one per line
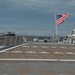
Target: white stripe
<point>44,47</point>
<point>53,47</point>
<point>64,47</point>
<point>35,47</point>
<point>44,52</point>
<point>26,46</point>
<point>57,52</point>
<point>16,51</point>
<point>61,60</point>
<point>30,52</point>
<point>69,53</point>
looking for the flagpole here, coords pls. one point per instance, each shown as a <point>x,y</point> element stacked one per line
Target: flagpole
<point>56,26</point>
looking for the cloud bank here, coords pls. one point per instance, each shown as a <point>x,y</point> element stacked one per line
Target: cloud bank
<point>37,14</point>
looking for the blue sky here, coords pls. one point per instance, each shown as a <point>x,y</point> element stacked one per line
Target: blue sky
<point>36,17</point>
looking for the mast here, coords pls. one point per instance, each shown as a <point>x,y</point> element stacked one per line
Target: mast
<point>56,32</point>
<point>56,26</point>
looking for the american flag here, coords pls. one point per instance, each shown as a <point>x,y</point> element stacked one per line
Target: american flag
<point>61,18</point>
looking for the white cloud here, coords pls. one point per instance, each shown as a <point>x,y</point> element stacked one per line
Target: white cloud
<point>47,6</point>
<point>34,3</point>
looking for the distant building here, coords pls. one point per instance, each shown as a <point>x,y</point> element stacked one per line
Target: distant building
<point>35,40</point>
<point>65,40</point>
<point>7,34</point>
<point>71,37</point>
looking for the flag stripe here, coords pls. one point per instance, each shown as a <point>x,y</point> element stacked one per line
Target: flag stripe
<point>62,18</point>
